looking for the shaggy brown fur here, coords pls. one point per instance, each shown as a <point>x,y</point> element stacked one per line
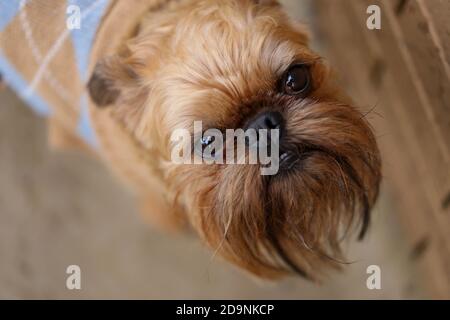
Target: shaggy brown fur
<point>221,62</point>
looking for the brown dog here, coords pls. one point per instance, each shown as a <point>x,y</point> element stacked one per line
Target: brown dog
<point>225,63</point>
<point>160,65</point>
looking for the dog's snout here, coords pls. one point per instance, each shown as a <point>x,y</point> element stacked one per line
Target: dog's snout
<point>266,120</point>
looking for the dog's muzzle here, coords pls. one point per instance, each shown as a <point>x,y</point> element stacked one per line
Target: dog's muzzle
<point>270,120</point>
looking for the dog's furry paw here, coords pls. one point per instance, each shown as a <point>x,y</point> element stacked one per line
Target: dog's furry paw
<point>162,216</point>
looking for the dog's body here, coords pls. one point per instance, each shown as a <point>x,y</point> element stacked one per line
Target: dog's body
<point>171,63</point>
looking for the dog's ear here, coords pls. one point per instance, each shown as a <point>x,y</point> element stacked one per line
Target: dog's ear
<point>116,82</point>
<point>110,78</point>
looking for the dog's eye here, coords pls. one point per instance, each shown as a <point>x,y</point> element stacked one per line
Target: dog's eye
<point>297,80</point>
<point>206,143</point>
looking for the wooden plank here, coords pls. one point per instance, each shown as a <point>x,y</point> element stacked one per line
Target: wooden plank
<point>429,178</point>
<point>438,13</point>
<point>428,59</point>
<point>377,71</point>
<point>433,167</point>
<point>428,138</point>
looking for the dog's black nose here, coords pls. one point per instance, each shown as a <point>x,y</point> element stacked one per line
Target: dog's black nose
<point>266,120</point>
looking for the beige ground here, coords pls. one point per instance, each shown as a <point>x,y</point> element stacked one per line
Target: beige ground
<point>58,209</point>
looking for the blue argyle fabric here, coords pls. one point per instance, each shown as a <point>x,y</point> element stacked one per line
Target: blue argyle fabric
<point>45,48</point>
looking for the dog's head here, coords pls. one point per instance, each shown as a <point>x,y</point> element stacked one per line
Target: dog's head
<point>239,64</point>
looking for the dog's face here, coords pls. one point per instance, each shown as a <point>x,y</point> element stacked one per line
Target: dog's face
<point>227,63</point>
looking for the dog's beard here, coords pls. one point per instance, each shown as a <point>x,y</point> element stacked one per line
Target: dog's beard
<point>295,221</point>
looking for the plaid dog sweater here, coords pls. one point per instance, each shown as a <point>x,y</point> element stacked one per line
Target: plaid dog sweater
<point>48,49</point>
